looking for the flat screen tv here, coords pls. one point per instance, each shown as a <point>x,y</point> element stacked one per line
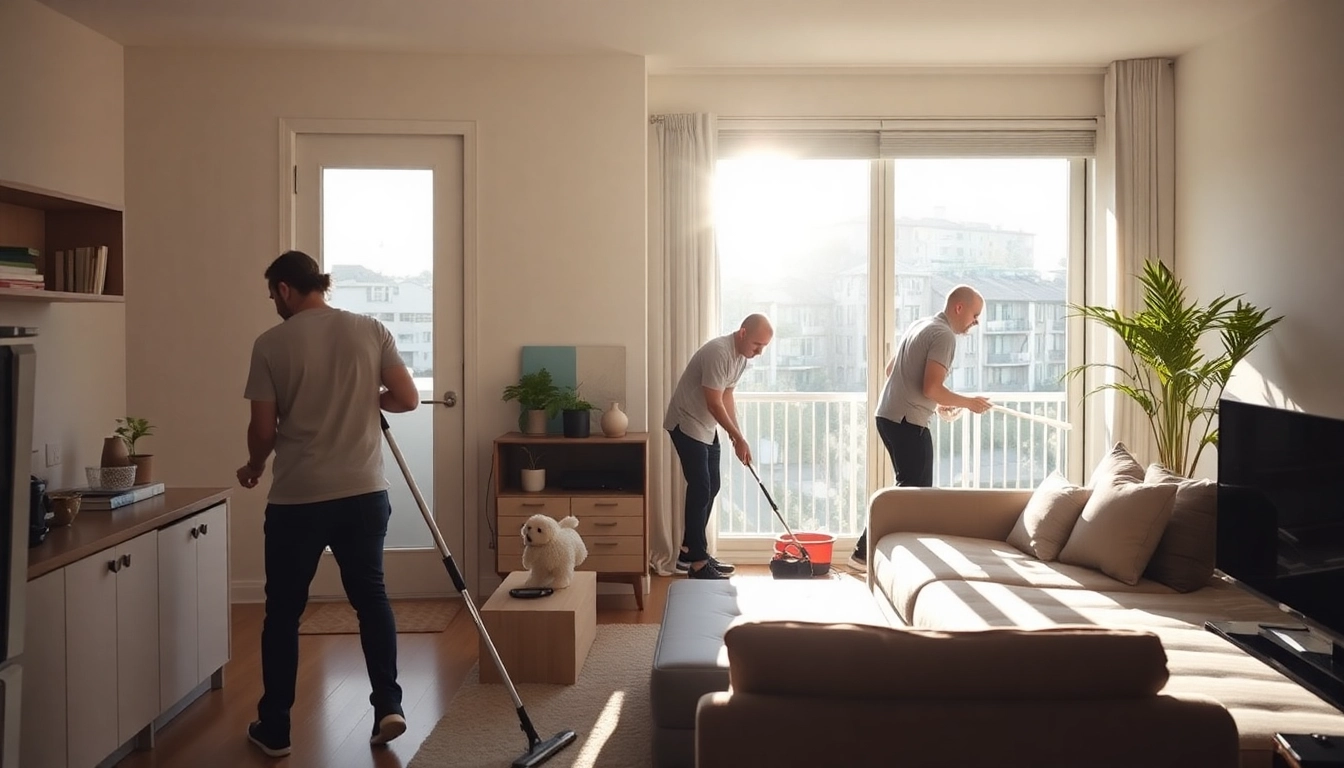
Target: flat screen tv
<point>1280,531</point>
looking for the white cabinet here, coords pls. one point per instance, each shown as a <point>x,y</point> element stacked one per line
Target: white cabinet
<point>111,641</point>
<point>193,594</point>
<point>42,725</point>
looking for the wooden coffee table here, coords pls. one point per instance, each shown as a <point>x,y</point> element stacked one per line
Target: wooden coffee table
<point>541,640</point>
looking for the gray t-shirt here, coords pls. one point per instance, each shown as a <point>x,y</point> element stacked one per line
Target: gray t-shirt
<point>323,368</point>
<point>716,365</point>
<point>930,338</point>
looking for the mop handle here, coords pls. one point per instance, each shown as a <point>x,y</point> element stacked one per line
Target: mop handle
<point>771,499</point>
<point>1046,420</point>
<point>452,567</point>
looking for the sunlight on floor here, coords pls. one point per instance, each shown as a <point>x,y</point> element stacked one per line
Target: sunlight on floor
<point>602,730</point>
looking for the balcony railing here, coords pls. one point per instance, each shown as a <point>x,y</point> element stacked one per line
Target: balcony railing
<point>811,451</point>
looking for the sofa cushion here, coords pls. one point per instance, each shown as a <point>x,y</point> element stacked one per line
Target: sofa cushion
<point>1261,700</point>
<point>904,562</point>
<point>1120,527</point>
<point>1184,558</point>
<point>847,661</point>
<point>1119,462</point>
<point>1049,516</point>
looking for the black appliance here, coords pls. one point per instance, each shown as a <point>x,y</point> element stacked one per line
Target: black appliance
<point>17,384</point>
<point>39,511</point>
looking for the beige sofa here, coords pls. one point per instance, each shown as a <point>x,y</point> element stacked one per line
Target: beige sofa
<point>939,560</point>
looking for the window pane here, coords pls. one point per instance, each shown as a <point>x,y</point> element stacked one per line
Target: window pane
<point>1001,226</point>
<point>793,238</point>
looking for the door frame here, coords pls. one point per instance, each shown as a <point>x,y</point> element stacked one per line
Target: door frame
<point>468,559</point>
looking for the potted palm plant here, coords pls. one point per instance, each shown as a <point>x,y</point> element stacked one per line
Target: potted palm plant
<point>1175,382</point>
<point>131,430</point>
<point>537,393</point>
<point>575,412</point>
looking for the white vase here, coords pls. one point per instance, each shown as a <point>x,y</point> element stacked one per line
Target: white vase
<point>614,421</point>
<point>536,422</point>
<point>534,480</point>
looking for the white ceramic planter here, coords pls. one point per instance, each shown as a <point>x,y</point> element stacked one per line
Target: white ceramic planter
<point>534,480</point>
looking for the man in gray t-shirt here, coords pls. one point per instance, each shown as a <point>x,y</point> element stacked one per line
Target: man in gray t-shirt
<point>915,390</point>
<point>316,384</point>
<point>701,403</point>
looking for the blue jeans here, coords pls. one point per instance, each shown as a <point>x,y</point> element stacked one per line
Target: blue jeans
<point>700,465</point>
<point>296,535</point>
<point>910,447</point>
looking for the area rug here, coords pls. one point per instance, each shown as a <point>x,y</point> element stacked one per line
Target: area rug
<point>412,616</point>
<point>608,708</point>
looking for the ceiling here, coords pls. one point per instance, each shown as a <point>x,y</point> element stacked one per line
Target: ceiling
<point>691,35</point>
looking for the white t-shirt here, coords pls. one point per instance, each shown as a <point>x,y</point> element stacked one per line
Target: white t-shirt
<point>323,368</point>
<point>930,338</point>
<point>716,365</point>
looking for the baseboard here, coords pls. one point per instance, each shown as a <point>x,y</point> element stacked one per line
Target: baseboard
<point>250,591</point>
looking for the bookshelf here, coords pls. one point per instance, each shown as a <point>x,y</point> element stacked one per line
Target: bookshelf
<point>51,222</point>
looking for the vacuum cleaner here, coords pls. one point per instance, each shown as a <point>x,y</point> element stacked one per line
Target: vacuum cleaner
<point>786,565</point>
<point>538,751</point>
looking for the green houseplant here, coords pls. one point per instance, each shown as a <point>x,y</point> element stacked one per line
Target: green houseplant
<point>131,430</point>
<point>577,412</point>
<point>1175,383</point>
<point>538,395</point>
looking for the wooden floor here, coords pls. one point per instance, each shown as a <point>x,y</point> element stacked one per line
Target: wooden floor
<point>332,718</point>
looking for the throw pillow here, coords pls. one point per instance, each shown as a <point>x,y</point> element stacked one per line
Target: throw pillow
<point>1045,523</point>
<point>1119,528</point>
<point>1184,558</point>
<point>1118,462</point>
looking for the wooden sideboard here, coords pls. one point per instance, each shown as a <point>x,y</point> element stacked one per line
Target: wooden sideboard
<point>127,622</point>
<point>603,481</point>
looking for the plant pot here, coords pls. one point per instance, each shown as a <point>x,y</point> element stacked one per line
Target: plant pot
<point>577,423</point>
<point>144,467</point>
<point>534,480</point>
<point>536,422</point>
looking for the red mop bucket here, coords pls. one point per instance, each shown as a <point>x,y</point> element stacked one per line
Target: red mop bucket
<point>819,546</point>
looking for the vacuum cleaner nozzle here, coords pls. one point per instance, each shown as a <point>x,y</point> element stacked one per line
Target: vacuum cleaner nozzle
<point>542,751</point>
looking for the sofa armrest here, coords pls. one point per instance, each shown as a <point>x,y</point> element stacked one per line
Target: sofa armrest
<point>973,512</point>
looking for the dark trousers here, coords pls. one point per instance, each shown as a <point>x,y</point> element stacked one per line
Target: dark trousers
<point>911,450</point>
<point>296,535</point>
<point>700,465</point>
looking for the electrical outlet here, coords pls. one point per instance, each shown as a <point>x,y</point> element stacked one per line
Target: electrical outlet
<point>53,454</point>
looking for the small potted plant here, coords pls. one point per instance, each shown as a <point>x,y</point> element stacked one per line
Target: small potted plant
<point>533,476</point>
<point>537,393</point>
<point>130,431</point>
<point>576,413</point>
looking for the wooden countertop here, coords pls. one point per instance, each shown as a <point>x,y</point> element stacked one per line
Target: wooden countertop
<point>98,529</point>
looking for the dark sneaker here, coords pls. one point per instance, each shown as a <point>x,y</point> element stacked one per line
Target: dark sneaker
<point>268,740</point>
<point>859,561</point>
<point>706,571</point>
<point>685,565</point>
<point>387,728</point>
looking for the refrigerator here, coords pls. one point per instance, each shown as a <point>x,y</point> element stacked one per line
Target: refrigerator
<point>18,363</point>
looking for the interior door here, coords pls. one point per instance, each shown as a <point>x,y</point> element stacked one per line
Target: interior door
<point>383,214</point>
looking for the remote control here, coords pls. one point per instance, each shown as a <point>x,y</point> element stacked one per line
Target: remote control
<point>530,592</point>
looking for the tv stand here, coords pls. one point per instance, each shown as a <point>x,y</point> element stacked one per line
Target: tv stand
<point>1293,651</point>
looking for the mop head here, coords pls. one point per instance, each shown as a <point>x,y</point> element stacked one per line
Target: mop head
<point>542,751</point>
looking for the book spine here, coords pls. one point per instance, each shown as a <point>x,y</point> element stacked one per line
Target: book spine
<point>121,500</point>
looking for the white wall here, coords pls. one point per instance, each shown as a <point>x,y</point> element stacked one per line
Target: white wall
<point>560,201</point>
<point>1259,185</point>
<point>61,130</point>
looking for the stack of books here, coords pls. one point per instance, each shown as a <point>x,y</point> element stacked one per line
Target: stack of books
<point>19,268</point>
<point>113,498</point>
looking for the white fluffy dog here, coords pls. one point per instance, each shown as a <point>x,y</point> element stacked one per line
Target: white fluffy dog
<point>552,550</point>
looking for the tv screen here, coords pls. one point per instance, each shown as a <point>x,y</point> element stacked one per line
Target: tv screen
<point>1281,508</point>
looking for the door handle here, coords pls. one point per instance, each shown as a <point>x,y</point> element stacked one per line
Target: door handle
<point>449,399</point>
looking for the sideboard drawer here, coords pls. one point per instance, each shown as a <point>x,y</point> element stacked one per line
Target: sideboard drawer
<point>527,506</point>
<point>607,506</point>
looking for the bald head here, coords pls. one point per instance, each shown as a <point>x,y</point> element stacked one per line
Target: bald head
<point>963,308</point>
<point>753,335</point>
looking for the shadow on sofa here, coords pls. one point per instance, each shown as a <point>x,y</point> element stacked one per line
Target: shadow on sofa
<point>807,694</point>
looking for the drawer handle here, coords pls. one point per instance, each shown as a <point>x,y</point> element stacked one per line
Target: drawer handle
<point>604,504</point>
<point>204,529</point>
<point>125,561</point>
<point>605,524</point>
<point>113,566</point>
<point>534,503</point>
<point>604,543</point>
<point>195,532</point>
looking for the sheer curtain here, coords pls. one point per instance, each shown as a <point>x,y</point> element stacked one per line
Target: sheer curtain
<point>683,299</point>
<point>1135,222</point>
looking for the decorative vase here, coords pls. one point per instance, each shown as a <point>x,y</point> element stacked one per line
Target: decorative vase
<point>536,422</point>
<point>114,453</point>
<point>614,421</point>
<point>534,480</point>
<point>144,467</point>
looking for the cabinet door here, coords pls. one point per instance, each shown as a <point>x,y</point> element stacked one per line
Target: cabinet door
<point>91,658</point>
<point>212,590</point>
<point>42,739</point>
<point>137,635</point>
<point>177,624</point>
